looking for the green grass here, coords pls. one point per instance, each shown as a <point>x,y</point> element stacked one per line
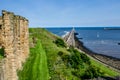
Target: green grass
<point>108,71</point>
<point>1,53</point>
<point>47,39</point>
<point>36,66</point>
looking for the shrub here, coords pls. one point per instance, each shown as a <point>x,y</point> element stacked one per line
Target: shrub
<point>2,52</point>
<point>60,53</point>
<point>88,75</point>
<point>85,58</point>
<point>60,43</point>
<point>66,58</point>
<point>92,72</point>
<point>76,61</point>
<point>78,58</point>
<point>76,73</point>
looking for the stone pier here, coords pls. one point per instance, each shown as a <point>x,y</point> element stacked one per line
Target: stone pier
<point>70,38</point>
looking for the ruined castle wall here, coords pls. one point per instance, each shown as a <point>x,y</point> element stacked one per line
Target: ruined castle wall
<point>0,20</point>
<point>0,30</point>
<point>8,42</point>
<point>14,36</point>
<point>17,42</point>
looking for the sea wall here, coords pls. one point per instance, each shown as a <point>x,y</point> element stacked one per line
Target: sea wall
<point>15,42</point>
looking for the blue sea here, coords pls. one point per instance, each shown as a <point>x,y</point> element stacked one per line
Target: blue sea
<point>98,39</point>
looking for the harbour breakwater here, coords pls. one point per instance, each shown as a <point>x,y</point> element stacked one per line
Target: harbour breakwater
<point>72,40</point>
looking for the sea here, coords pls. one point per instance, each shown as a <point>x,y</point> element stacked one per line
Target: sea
<point>101,40</point>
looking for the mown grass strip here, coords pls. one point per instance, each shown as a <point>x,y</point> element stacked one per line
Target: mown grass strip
<point>35,67</point>
<point>43,68</point>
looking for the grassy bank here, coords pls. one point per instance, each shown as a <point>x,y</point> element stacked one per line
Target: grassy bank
<point>108,71</point>
<point>50,59</point>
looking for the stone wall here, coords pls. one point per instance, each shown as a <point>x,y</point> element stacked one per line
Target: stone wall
<point>0,30</point>
<point>14,39</point>
<point>0,20</point>
<point>69,38</point>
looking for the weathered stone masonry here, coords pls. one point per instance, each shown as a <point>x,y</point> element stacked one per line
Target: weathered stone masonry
<point>14,40</point>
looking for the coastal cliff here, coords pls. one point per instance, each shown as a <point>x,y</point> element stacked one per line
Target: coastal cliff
<point>60,62</point>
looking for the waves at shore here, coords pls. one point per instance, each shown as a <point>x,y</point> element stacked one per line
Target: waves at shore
<point>66,33</point>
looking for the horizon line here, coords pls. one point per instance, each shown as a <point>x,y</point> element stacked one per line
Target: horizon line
<point>68,26</point>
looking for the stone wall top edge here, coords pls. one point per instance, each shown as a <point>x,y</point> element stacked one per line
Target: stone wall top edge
<point>21,17</point>
<point>0,20</point>
<point>18,16</point>
<point>6,12</point>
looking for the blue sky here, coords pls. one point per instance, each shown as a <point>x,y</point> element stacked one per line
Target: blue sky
<point>48,13</point>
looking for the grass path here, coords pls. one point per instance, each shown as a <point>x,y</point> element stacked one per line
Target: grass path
<point>35,67</point>
<point>43,68</point>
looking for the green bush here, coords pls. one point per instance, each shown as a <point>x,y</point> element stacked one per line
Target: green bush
<point>66,58</point>
<point>78,59</point>
<point>85,58</point>
<point>92,72</point>
<point>60,43</point>
<point>1,52</point>
<point>60,53</point>
<point>77,73</point>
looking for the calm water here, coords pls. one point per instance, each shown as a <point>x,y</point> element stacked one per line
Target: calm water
<point>98,40</point>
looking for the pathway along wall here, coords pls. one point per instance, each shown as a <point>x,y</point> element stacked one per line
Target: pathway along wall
<point>14,40</point>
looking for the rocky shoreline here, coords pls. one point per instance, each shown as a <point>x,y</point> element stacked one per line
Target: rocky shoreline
<point>111,62</point>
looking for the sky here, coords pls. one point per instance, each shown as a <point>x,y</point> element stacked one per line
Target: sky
<point>66,13</point>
